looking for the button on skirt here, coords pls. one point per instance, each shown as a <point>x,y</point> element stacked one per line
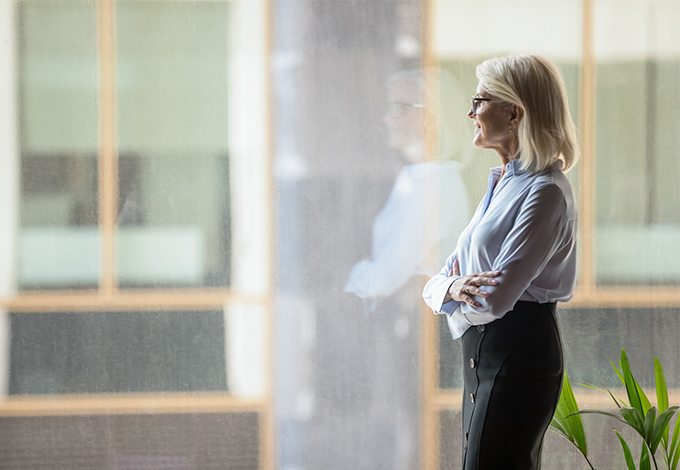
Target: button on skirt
<point>513,376</point>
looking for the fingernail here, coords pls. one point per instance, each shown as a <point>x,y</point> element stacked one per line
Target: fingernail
<point>455,261</point>
<point>496,272</point>
<point>477,304</point>
<point>494,282</point>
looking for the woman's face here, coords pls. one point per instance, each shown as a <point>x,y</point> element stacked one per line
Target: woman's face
<point>492,122</point>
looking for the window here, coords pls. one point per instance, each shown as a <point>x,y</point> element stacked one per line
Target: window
<point>129,299</point>
<point>619,63</point>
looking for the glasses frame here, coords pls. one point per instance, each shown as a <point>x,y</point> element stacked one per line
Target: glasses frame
<point>475,103</point>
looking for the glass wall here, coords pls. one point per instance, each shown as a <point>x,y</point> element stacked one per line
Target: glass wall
<point>619,62</point>
<point>58,246</point>
<point>133,319</point>
<point>217,218</point>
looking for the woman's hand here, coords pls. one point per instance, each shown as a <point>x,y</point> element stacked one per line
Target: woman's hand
<point>465,288</point>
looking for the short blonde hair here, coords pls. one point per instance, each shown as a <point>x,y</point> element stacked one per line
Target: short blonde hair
<point>546,133</point>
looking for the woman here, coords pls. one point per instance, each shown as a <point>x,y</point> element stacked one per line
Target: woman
<point>513,262</point>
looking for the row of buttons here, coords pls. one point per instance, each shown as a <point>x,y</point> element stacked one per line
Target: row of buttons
<point>473,364</point>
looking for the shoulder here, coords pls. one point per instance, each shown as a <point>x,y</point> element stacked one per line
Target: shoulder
<point>545,197</point>
<point>552,191</point>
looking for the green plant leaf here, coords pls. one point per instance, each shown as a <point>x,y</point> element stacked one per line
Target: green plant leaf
<point>619,373</point>
<point>661,427</point>
<point>661,396</point>
<point>645,464</point>
<point>601,412</point>
<point>626,452</point>
<point>646,404</point>
<point>630,384</point>
<point>648,425</point>
<point>661,390</point>
<point>618,404</point>
<point>674,452</point>
<point>633,417</point>
<point>606,390</point>
<point>558,427</point>
<point>565,415</point>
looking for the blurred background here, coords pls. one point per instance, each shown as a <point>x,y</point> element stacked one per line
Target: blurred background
<point>216,219</point>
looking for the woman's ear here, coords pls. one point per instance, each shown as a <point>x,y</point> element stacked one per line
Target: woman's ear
<point>516,115</point>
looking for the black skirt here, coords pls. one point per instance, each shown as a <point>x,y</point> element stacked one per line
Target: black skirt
<point>513,376</point>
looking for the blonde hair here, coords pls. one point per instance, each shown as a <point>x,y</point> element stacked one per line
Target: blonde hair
<point>546,133</point>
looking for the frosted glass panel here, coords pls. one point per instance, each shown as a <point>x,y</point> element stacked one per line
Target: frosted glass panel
<point>174,199</point>
<point>116,352</point>
<point>58,240</point>
<point>58,73</point>
<point>638,129</point>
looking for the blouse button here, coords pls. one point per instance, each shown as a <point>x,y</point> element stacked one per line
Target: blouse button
<point>472,363</point>
<point>480,328</point>
<point>472,397</point>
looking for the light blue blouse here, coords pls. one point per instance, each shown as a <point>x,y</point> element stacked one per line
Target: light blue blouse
<point>526,229</point>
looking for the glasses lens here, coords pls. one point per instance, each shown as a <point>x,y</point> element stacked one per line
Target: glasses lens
<point>474,105</point>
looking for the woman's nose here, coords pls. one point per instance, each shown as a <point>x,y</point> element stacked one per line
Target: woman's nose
<point>470,114</point>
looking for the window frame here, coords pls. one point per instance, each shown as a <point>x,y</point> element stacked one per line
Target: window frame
<point>588,293</point>
<point>109,297</point>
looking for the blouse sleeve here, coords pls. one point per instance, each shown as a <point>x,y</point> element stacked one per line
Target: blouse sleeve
<point>537,234</point>
<point>437,287</point>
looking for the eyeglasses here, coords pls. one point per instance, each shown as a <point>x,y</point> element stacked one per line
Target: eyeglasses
<point>476,100</point>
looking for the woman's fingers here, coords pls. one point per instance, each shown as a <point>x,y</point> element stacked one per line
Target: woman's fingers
<point>466,288</point>
<point>470,301</point>
<point>487,274</point>
<point>483,281</point>
<point>456,268</point>
<point>479,292</point>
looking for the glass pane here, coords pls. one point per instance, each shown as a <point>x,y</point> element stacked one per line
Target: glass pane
<point>177,441</point>
<point>450,358</point>
<point>638,146</point>
<point>450,439</point>
<point>117,352</point>
<point>58,239</point>
<point>174,214</point>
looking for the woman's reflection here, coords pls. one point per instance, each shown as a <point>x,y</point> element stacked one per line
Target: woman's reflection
<point>427,208</point>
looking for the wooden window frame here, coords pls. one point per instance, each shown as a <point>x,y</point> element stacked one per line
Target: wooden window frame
<point>108,296</point>
<point>588,293</point>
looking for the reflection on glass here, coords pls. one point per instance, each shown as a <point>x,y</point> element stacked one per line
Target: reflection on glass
<point>427,207</point>
<point>58,238</point>
<point>174,221</point>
